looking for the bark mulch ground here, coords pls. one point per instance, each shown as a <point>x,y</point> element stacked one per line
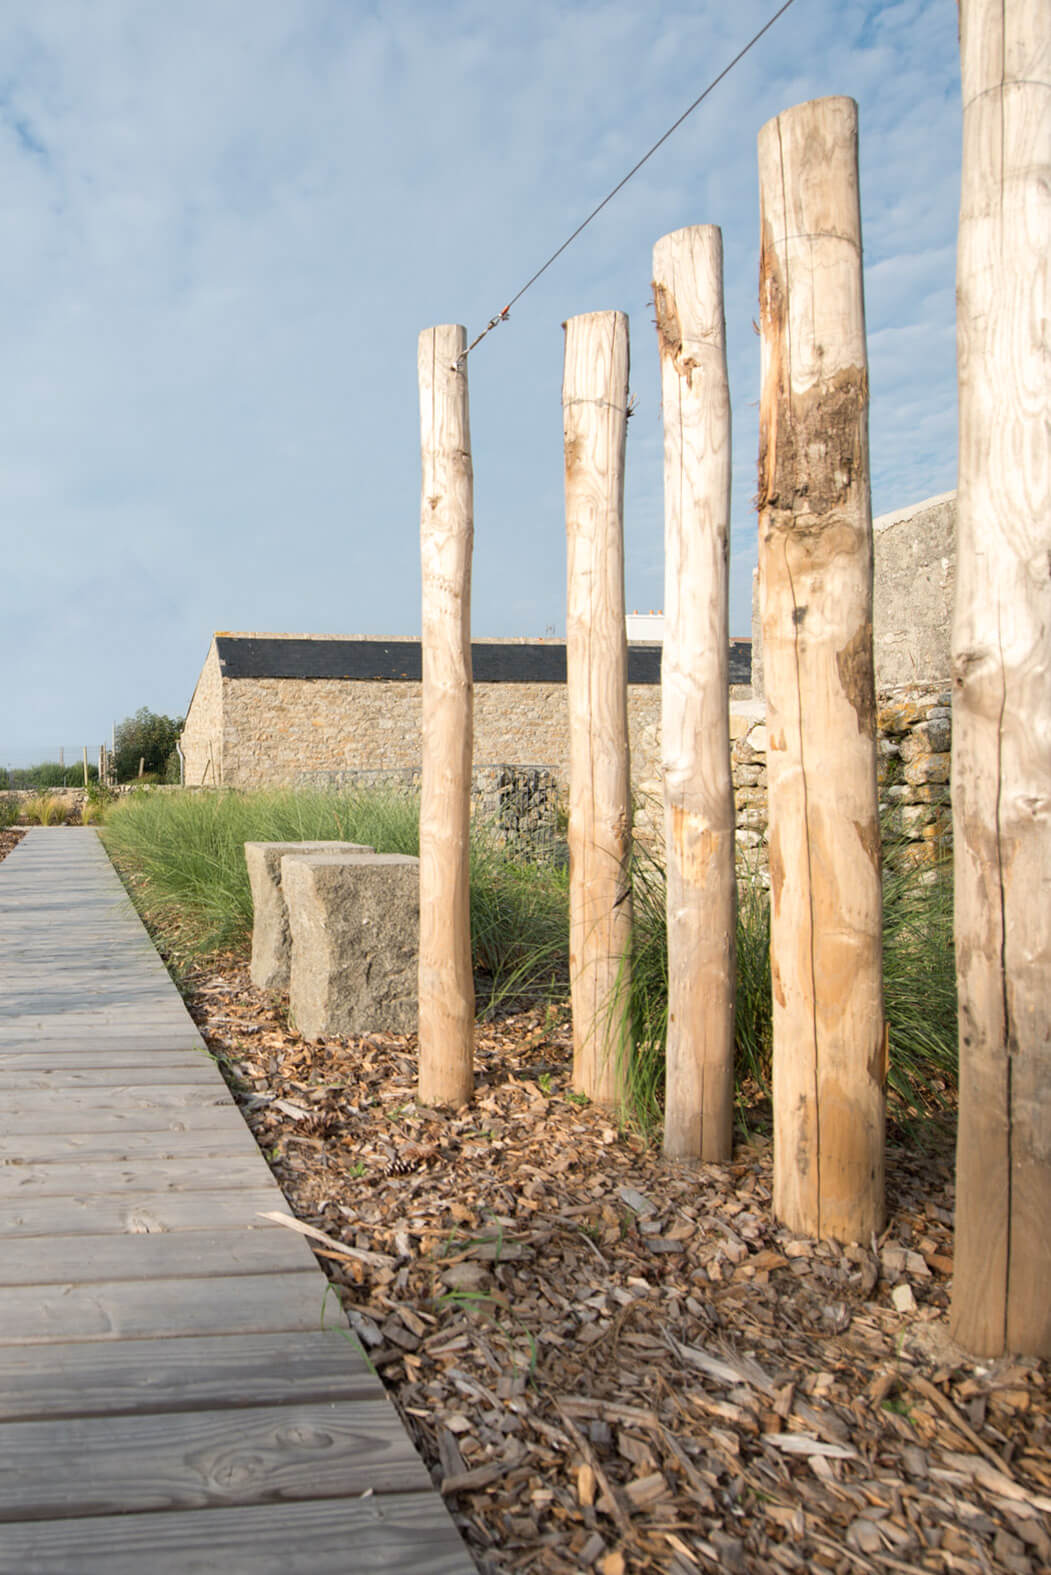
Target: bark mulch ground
<point>10,837</point>
<point>615,1363</point>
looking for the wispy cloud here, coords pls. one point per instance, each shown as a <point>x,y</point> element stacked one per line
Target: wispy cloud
<point>227,224</point>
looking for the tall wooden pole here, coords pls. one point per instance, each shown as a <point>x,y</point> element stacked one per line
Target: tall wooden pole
<point>446,1015</point>
<point>1001,779</point>
<point>695,696</point>
<point>815,577</point>
<point>594,419</point>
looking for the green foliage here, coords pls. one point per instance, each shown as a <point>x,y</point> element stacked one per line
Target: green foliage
<point>919,973</point>
<point>519,925</point>
<point>147,737</point>
<point>8,811</point>
<point>49,774</point>
<point>919,983</point>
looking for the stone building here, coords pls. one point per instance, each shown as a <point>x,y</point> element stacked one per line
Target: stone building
<point>274,709</point>
<point>914,574</point>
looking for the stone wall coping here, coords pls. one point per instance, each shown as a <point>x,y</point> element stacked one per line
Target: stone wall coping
<point>341,860</point>
<point>900,516</point>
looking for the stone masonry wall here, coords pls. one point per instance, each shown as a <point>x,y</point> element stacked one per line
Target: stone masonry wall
<point>202,735</point>
<point>914,573</point>
<point>518,804</point>
<point>275,730</point>
<point>914,741</point>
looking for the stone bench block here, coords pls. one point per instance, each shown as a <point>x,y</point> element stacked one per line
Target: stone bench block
<point>271,943</point>
<point>355,926</point>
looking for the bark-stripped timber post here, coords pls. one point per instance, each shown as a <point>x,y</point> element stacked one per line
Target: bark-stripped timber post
<point>695,696</point>
<point>815,571</point>
<point>446,1006</point>
<point>594,420</point>
<point>1001,775</point>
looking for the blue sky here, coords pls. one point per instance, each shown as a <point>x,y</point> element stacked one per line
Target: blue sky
<point>226,224</point>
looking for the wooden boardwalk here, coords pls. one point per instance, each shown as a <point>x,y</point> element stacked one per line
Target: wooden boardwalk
<point>170,1402</point>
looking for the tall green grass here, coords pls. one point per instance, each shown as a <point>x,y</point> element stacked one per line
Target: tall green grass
<point>183,853</point>
<point>183,856</point>
<point>919,982</point>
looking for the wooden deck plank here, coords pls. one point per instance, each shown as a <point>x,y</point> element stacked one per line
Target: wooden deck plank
<point>154,1256</point>
<point>117,1214</point>
<point>124,1309</point>
<point>196,1459</point>
<point>230,1138</point>
<point>114,1049</point>
<point>179,1391</point>
<point>120,1177</point>
<point>47,1078</point>
<point>355,1536</point>
<point>206,1372</point>
<point>72,1110</point>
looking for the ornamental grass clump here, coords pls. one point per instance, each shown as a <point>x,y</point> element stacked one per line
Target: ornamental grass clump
<point>45,810</point>
<point>919,977</point>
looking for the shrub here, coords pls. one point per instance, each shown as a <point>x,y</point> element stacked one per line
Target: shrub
<point>147,737</point>
<point>50,774</point>
<point>8,811</point>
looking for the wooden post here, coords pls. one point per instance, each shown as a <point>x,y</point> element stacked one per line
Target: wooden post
<point>1001,776</point>
<point>594,420</point>
<point>695,696</point>
<point>815,573</point>
<point>85,765</point>
<point>446,1069</point>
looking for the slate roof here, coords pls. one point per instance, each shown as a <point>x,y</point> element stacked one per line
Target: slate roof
<point>391,661</point>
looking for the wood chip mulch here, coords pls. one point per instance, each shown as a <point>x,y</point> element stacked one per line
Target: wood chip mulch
<point>615,1363</point>
<point>9,840</point>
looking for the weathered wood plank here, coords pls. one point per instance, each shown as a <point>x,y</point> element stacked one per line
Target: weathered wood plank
<point>152,1256</point>
<point>107,1215</point>
<point>207,1373</point>
<point>395,1533</point>
<point>182,1361</point>
<point>22,1048</point>
<point>119,1177</point>
<point>91,1110</point>
<point>193,1459</point>
<point>232,1137</point>
<point>76,1072</point>
<point>25,1100</point>
<point>241,1303</point>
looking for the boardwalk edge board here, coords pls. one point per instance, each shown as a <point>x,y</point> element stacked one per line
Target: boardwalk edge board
<point>179,1390</point>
